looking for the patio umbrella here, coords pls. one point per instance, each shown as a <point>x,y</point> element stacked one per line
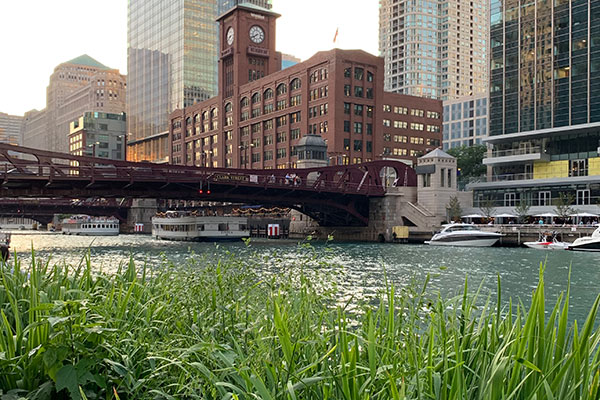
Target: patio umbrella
<point>505,215</point>
<point>473,216</point>
<point>583,214</point>
<point>546,215</point>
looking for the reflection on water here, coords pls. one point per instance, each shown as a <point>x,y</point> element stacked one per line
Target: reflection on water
<point>364,265</point>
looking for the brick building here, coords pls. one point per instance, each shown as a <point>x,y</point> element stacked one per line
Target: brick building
<point>261,111</point>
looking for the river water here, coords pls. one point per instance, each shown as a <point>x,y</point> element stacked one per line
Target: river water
<point>364,266</point>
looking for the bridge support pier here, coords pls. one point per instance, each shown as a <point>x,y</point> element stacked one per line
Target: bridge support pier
<point>141,212</point>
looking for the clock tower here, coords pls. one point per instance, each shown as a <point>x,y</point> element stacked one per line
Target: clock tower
<point>247,50</point>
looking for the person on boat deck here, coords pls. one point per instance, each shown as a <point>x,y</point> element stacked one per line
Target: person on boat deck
<point>541,221</point>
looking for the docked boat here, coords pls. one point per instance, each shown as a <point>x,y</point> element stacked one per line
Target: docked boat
<point>587,243</point>
<point>464,235</point>
<point>86,225</point>
<point>547,242</point>
<point>4,245</point>
<point>187,226</point>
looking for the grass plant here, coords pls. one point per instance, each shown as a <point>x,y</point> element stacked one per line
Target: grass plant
<point>218,330</point>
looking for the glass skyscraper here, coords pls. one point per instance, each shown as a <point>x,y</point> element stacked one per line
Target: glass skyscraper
<point>544,103</point>
<point>435,48</point>
<point>172,63</point>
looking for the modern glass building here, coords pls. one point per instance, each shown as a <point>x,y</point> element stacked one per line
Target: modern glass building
<point>435,48</point>
<point>544,103</point>
<point>465,121</point>
<point>172,63</point>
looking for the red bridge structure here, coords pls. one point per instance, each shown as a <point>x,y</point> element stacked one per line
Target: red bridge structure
<point>332,195</point>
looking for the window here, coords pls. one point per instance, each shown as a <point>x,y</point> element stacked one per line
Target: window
<point>228,107</point>
<point>358,145</point>
<point>417,113</point>
<point>268,124</point>
<point>255,128</point>
<point>268,139</point>
<point>281,89</point>
<point>416,127</point>
<point>295,84</point>
<point>281,121</point>
<point>578,167</point>
<point>244,102</point>
<point>358,91</point>
<point>268,155</point>
<point>346,108</point>
<point>387,122</point>
<point>369,147</point>
<point>256,142</point>
<point>369,93</point>
<point>346,126</point>
<point>544,198</point>
<point>323,127</point>
<point>295,117</point>
<point>281,137</point>
<point>387,108</point>
<point>346,144</point>
<point>369,128</point>
<point>370,111</point>
<point>369,76</point>
<point>244,131</point>
<point>281,104</point>
<point>255,112</point>
<point>295,134</point>
<point>387,137</point>
<point>358,127</point>
<point>426,180</point>
<point>510,199</point>
<point>400,110</point>
<point>256,157</point>
<point>347,90</point>
<point>583,197</point>
<point>296,100</point>
<point>281,153</point>
<point>244,116</point>
<point>268,108</point>
<point>358,109</point>
<point>255,98</point>
<point>268,94</point>
<point>358,73</point>
<point>400,124</point>
<point>347,72</point>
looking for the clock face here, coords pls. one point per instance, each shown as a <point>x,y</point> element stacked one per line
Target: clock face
<point>230,36</point>
<point>257,35</point>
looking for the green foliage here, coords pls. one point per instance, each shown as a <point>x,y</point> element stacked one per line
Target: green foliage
<point>562,205</point>
<point>215,330</point>
<point>454,209</point>
<point>469,160</point>
<point>522,210</point>
<point>487,208</point>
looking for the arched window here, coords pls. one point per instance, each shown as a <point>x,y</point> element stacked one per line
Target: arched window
<point>295,84</point>
<point>281,89</point>
<point>228,107</point>
<point>214,112</point>
<point>188,121</point>
<point>196,118</point>
<point>204,115</point>
<point>268,94</point>
<point>244,102</point>
<point>255,98</point>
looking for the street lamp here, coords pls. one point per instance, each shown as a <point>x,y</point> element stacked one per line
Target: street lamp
<point>93,146</point>
<point>245,148</point>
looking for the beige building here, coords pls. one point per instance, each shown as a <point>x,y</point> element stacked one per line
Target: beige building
<point>436,49</point>
<point>10,128</point>
<point>77,86</point>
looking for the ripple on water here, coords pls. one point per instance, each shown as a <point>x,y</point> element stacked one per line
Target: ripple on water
<point>364,267</point>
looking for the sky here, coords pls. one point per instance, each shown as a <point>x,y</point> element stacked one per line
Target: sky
<point>38,35</point>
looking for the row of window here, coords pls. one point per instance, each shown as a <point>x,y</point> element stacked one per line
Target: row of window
<point>358,145</point>
<point>415,126</point>
<point>387,151</point>
<point>319,75</point>
<point>359,74</point>
<point>281,89</point>
<point>358,109</point>
<point>414,111</point>
<point>359,91</point>
<point>358,127</point>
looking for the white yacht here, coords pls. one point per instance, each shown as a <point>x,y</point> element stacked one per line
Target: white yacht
<point>464,235</point>
<point>587,243</point>
<point>86,225</point>
<point>186,226</point>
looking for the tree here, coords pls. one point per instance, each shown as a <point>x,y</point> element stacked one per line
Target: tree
<point>522,210</point>
<point>487,208</point>
<point>454,209</point>
<point>562,205</point>
<point>469,160</point>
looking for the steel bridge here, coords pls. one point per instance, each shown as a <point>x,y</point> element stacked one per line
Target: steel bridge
<point>333,195</point>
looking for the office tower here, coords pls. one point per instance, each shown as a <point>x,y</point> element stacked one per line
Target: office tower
<point>171,63</point>
<point>544,104</point>
<point>465,121</point>
<point>434,48</point>
<point>10,128</point>
<point>76,86</point>
<point>262,112</point>
<point>98,134</point>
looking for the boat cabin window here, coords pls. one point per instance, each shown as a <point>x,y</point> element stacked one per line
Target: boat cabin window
<point>223,227</point>
<point>462,228</point>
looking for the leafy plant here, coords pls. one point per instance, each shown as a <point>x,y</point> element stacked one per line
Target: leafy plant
<point>522,210</point>
<point>562,205</point>
<point>453,209</point>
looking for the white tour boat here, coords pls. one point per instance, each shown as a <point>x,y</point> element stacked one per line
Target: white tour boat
<point>587,243</point>
<point>183,225</point>
<point>464,235</point>
<point>86,225</point>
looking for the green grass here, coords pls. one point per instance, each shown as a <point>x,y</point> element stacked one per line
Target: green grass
<point>216,330</point>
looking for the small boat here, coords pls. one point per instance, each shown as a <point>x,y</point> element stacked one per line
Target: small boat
<point>547,242</point>
<point>90,226</point>
<point>464,235</point>
<point>188,226</point>
<point>587,243</point>
<point>4,245</point>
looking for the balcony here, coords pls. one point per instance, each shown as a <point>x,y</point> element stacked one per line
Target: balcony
<point>511,177</point>
<point>516,156</point>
